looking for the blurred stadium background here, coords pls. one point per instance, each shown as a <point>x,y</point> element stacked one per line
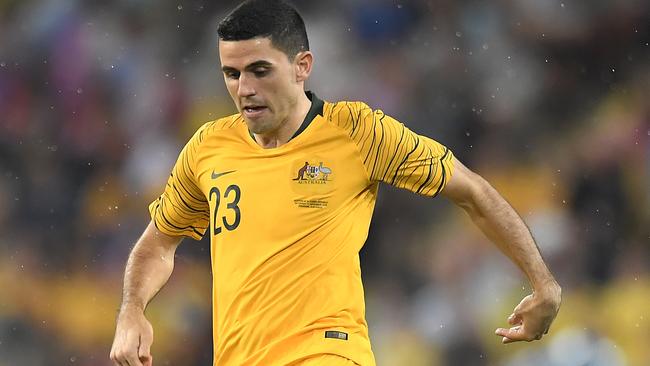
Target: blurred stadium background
<point>549,100</point>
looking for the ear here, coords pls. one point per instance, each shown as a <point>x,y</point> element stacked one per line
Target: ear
<point>302,63</point>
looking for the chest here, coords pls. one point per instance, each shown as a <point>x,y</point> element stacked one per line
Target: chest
<point>267,189</point>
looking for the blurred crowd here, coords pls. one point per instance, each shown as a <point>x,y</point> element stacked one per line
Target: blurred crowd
<point>548,100</point>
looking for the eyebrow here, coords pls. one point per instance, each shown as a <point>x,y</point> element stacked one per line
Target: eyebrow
<point>249,67</point>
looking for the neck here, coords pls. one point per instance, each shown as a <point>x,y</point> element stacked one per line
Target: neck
<point>288,127</point>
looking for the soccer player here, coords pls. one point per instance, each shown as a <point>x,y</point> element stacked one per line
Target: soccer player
<point>286,190</point>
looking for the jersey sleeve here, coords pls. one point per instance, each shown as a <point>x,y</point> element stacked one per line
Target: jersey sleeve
<point>182,209</point>
<point>393,154</point>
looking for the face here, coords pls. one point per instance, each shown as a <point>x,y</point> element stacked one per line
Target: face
<point>264,84</point>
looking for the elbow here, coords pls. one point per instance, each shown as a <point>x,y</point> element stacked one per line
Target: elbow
<point>476,196</point>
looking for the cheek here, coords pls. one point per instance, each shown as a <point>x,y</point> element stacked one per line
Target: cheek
<point>282,92</point>
<point>231,85</point>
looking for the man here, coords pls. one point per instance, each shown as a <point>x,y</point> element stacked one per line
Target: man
<point>287,287</point>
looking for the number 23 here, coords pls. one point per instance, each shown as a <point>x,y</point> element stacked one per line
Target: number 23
<point>232,206</point>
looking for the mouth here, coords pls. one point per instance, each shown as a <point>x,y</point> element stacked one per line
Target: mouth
<point>252,111</point>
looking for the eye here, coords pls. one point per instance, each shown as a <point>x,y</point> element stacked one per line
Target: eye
<point>261,72</point>
<point>232,75</point>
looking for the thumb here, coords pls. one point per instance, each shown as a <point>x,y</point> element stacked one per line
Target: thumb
<point>144,350</point>
<point>148,361</point>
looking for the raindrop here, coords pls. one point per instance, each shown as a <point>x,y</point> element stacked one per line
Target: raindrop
<point>564,202</point>
<point>80,91</point>
<point>73,359</point>
<point>485,46</point>
<point>613,69</point>
<point>399,6</point>
<point>180,7</point>
<point>467,133</point>
<point>3,64</point>
<point>562,5</point>
<point>459,34</point>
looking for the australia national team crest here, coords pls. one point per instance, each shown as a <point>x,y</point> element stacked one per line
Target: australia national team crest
<point>313,173</point>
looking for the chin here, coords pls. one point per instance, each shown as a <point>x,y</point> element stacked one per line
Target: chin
<point>258,127</point>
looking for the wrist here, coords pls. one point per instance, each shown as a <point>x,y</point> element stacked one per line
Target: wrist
<point>549,292</point>
<point>129,306</point>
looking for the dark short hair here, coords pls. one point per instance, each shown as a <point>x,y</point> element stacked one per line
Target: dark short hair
<point>275,19</point>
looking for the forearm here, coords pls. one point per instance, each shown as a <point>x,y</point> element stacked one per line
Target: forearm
<point>533,316</point>
<point>501,224</point>
<point>148,268</point>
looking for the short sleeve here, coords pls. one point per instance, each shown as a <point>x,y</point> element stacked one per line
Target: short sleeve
<point>395,155</point>
<point>182,209</point>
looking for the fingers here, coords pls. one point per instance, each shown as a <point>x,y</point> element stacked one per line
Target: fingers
<point>147,362</point>
<point>514,319</point>
<point>509,334</point>
<point>144,351</point>
<point>516,334</point>
<point>125,350</point>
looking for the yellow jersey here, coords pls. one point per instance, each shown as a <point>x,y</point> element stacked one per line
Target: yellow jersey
<point>286,225</point>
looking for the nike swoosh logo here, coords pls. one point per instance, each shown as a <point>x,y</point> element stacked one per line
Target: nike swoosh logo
<point>217,175</point>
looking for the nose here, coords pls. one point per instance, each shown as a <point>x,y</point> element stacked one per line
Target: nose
<point>245,87</point>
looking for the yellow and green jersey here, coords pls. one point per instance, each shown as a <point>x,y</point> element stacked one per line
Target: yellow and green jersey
<point>286,225</point>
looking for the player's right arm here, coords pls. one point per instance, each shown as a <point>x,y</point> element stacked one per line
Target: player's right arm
<point>148,268</point>
<point>181,210</point>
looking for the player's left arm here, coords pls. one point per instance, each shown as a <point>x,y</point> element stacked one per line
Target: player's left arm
<point>533,316</point>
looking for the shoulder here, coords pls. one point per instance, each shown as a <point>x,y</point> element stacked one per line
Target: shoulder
<point>348,114</point>
<point>216,127</point>
<point>346,109</point>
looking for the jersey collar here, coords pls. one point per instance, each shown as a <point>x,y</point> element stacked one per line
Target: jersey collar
<point>316,108</point>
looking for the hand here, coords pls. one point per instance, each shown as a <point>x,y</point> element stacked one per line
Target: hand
<point>133,339</point>
<point>533,316</point>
